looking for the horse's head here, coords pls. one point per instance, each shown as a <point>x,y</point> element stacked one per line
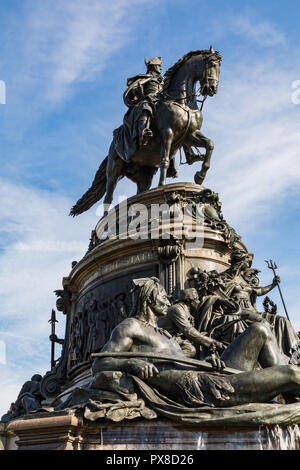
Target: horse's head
<point>201,65</point>
<point>210,80</point>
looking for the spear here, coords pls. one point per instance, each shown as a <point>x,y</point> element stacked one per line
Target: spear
<point>272,265</point>
<point>52,321</point>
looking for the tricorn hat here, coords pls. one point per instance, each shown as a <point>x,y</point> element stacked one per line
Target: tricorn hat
<point>153,61</point>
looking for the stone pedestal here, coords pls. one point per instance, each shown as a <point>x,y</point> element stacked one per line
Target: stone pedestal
<point>67,432</point>
<point>47,433</point>
<point>96,297</point>
<point>7,439</point>
<point>3,436</point>
<point>100,282</point>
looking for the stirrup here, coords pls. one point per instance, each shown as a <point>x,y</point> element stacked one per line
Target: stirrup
<point>147,134</point>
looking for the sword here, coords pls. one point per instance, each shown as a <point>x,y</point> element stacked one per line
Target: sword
<point>272,265</point>
<point>205,366</point>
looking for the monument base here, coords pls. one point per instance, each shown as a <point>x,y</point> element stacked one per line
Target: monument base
<point>64,431</point>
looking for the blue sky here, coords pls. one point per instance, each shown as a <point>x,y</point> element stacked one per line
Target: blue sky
<point>65,65</point>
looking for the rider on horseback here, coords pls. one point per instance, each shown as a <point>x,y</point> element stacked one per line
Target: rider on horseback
<point>169,107</point>
<point>141,97</point>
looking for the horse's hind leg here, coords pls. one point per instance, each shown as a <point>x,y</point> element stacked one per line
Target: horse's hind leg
<point>197,139</point>
<point>145,182</point>
<point>114,171</point>
<point>166,142</point>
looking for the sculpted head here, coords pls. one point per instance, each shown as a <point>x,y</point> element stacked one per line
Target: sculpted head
<point>209,85</point>
<point>190,297</point>
<point>150,295</point>
<point>36,378</point>
<point>241,258</point>
<point>154,65</point>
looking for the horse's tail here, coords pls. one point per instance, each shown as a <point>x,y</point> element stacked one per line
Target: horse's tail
<point>94,193</point>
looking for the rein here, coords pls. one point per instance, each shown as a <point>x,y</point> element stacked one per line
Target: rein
<point>202,102</point>
<point>198,93</point>
<point>165,94</point>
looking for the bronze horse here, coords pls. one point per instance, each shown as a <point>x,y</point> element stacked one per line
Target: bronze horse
<point>176,122</point>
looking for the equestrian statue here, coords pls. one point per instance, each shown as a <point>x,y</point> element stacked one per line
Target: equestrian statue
<point>163,116</point>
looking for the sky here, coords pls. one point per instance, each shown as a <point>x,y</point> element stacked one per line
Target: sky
<point>64,64</point>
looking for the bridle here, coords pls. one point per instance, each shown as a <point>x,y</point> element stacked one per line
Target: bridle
<point>207,75</point>
<point>206,79</point>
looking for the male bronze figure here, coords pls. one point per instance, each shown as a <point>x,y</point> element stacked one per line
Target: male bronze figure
<point>180,323</point>
<point>140,97</point>
<point>188,385</point>
<point>163,117</point>
<point>29,399</point>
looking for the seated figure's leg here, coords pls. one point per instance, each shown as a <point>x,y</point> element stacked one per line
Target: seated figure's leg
<point>256,344</point>
<point>257,386</point>
<point>261,386</point>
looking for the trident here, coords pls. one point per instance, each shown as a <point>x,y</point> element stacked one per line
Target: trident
<point>272,265</point>
<point>53,321</point>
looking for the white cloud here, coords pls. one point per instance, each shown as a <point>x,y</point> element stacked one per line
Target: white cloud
<point>254,166</point>
<point>73,40</point>
<point>39,243</point>
<point>255,127</point>
<point>248,25</point>
<point>262,32</point>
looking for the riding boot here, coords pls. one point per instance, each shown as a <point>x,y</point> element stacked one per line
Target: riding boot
<point>145,133</point>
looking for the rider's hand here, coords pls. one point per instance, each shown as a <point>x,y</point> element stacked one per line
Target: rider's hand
<point>276,280</point>
<point>142,369</point>
<point>216,362</point>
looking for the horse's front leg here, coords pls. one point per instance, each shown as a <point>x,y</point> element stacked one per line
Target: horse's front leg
<point>166,142</point>
<point>197,139</point>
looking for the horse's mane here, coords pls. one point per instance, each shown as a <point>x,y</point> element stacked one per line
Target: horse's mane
<point>172,70</point>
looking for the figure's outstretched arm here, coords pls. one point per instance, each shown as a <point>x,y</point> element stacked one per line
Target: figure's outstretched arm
<point>191,333</point>
<point>264,290</point>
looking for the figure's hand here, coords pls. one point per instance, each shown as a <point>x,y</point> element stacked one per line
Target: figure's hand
<point>219,347</point>
<point>142,369</point>
<point>216,362</point>
<point>212,344</point>
<point>55,339</point>
<point>276,280</point>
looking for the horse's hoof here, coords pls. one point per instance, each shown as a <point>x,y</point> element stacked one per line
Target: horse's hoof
<point>198,178</point>
<point>172,174</point>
